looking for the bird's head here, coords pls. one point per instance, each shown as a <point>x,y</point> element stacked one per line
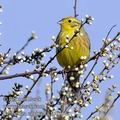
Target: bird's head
<point>70,23</point>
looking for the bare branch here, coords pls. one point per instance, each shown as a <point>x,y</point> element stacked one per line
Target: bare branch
<point>115,100</point>
<point>22,48</point>
<point>96,56</point>
<point>92,113</point>
<point>104,46</point>
<point>75,8</point>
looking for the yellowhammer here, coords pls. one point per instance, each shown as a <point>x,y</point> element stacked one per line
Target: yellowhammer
<point>77,50</point>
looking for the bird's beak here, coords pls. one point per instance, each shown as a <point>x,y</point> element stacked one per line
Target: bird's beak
<point>78,23</point>
<point>59,22</point>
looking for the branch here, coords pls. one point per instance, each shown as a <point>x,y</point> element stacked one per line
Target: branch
<point>75,8</point>
<point>22,48</point>
<point>110,31</point>
<point>98,109</point>
<point>104,46</point>
<point>94,112</point>
<point>96,56</point>
<point>112,104</point>
<point>25,45</point>
<point>27,74</point>
<point>90,70</point>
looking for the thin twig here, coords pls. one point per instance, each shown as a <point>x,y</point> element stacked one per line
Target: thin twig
<point>96,56</point>
<point>7,52</point>
<point>26,44</point>
<point>104,46</point>
<point>22,48</point>
<point>112,104</point>
<point>102,106</point>
<point>90,70</point>
<point>75,8</point>
<point>110,31</point>
<point>2,95</point>
<point>94,112</point>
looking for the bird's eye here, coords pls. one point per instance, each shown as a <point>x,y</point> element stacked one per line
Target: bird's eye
<point>69,21</point>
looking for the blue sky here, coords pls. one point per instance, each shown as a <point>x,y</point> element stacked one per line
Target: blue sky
<point>19,18</point>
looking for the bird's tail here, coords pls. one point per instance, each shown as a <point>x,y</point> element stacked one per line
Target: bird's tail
<point>73,80</point>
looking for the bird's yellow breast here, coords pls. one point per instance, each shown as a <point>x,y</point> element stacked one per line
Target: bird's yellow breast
<point>76,49</point>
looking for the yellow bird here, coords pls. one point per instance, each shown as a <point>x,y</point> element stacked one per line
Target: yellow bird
<point>77,50</point>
